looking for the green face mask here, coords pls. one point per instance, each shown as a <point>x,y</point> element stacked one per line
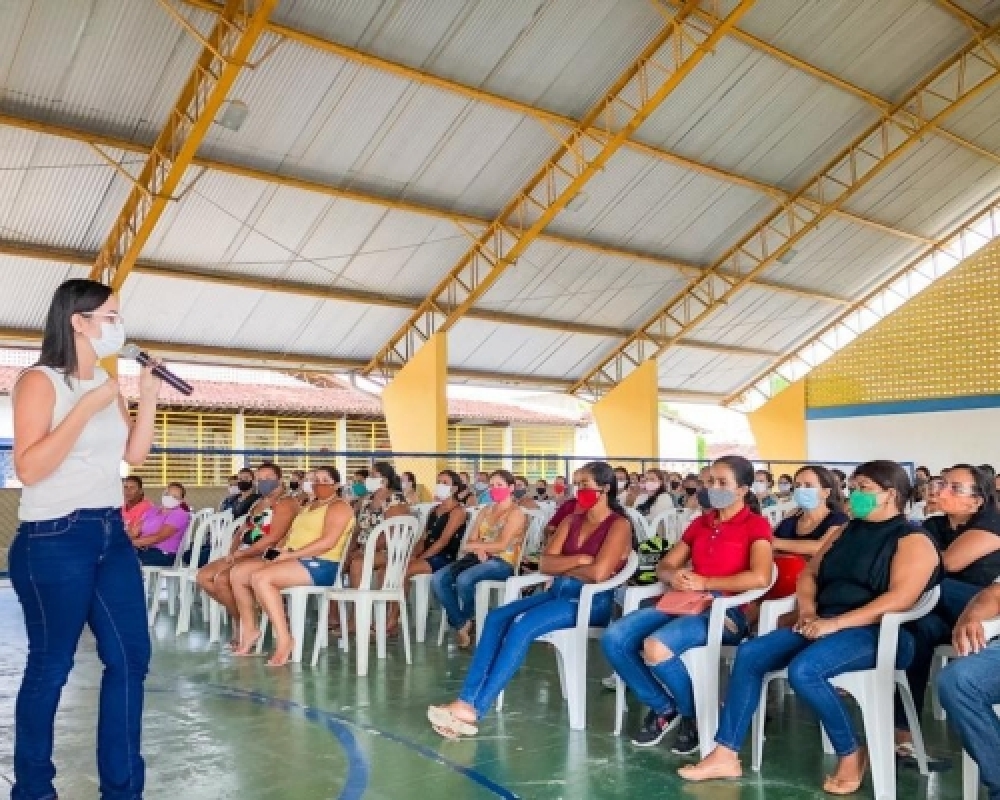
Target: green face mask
<point>863,503</point>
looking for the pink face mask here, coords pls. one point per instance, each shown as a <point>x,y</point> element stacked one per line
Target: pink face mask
<point>499,493</point>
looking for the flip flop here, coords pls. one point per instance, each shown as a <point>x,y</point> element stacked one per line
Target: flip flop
<point>442,717</point>
<point>841,787</point>
<point>445,733</point>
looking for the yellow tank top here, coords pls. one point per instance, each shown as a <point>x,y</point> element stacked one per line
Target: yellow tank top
<point>492,531</point>
<point>307,527</point>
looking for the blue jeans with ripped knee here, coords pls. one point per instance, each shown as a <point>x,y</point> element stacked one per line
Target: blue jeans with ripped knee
<point>664,687</point>
<point>70,572</point>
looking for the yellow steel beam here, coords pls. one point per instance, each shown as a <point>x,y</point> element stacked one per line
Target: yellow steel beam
<point>549,117</point>
<point>302,184</point>
<point>663,64</point>
<point>227,50</point>
<point>971,71</point>
<point>949,250</point>
<point>965,16</point>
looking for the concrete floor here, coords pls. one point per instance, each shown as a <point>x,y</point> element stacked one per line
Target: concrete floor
<point>218,727</point>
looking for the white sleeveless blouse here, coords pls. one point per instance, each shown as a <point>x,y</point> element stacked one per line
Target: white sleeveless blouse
<point>90,475</point>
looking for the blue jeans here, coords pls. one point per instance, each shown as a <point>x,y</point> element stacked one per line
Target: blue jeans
<point>510,630</point>
<point>969,688</point>
<point>664,687</point>
<point>458,595</point>
<point>929,632</point>
<point>70,572</point>
<point>810,666</point>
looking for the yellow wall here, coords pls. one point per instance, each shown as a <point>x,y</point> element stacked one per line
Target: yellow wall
<point>628,416</point>
<point>779,426</point>
<point>415,404</point>
<point>942,343</point>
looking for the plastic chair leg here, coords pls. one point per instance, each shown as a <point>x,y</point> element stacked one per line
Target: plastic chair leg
<point>621,708</point>
<point>297,605</point>
<point>421,607</point>
<point>404,623</point>
<point>913,720</point>
<point>363,625</point>
<point>970,778</point>
<point>323,620</point>
<point>757,731</point>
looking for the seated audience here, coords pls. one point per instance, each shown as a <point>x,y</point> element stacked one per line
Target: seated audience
<point>245,496</point>
<point>785,486</point>
<point>655,498</point>
<point>821,510</point>
<point>542,491</point>
<point>689,490</point>
<point>265,526</point>
<point>726,550</point>
<point>621,481</point>
<point>560,491</point>
<point>763,487</point>
<point>675,484</point>
<point>383,499</point>
<point>969,687</point>
<point>588,548</point>
<point>158,535</point>
<point>136,504</point>
<point>968,535</point>
<point>521,496</point>
<point>481,493</point>
<point>466,491</point>
<point>295,480</point>
<point>411,489</point>
<point>359,487</point>
<point>310,557</point>
<point>490,552</point>
<point>875,565</point>
<point>841,476</point>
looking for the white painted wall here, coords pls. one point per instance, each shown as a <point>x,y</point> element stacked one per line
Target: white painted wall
<point>6,417</point>
<point>937,439</point>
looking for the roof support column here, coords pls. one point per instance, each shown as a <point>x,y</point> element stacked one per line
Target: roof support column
<point>415,404</point>
<point>779,426</point>
<point>628,417</point>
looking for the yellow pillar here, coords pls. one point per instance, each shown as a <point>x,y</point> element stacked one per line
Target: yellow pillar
<point>779,426</point>
<point>628,417</point>
<point>415,405</point>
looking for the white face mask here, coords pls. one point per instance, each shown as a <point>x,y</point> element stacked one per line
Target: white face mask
<point>111,341</point>
<point>622,486</point>
<point>442,491</point>
<point>234,490</point>
<point>760,487</point>
<point>407,485</point>
<point>168,501</point>
<point>373,484</point>
<point>307,487</point>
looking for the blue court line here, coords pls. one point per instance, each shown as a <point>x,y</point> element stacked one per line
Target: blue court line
<point>340,726</point>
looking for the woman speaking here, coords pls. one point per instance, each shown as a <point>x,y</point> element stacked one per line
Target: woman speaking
<point>72,563</point>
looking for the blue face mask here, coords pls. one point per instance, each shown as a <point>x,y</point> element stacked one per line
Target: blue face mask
<point>806,497</point>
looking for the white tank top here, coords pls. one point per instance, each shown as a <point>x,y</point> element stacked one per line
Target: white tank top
<point>90,475</point>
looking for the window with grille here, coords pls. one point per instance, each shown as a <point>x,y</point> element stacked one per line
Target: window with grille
<point>472,442</point>
<point>365,435</point>
<point>314,435</point>
<point>539,450</point>
<point>197,431</point>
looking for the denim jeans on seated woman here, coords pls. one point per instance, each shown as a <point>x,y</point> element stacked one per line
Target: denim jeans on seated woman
<point>510,629</point>
<point>458,595</point>
<point>810,666</point>
<point>70,572</point>
<point>664,687</point>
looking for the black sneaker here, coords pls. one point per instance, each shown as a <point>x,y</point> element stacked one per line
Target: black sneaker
<point>654,728</point>
<point>687,742</point>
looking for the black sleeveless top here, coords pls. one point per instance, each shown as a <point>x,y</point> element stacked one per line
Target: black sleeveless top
<point>856,569</point>
<point>436,523</point>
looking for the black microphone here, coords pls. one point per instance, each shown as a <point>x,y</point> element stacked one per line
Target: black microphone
<point>132,351</point>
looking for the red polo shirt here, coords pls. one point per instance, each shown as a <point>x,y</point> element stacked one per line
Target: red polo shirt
<point>720,549</point>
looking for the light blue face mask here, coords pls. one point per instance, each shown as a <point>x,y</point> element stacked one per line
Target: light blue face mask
<point>806,497</point>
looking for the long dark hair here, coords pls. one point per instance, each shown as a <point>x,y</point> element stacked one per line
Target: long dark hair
<point>835,502</point>
<point>887,475</point>
<point>744,473</point>
<point>385,469</point>
<point>77,296</point>
<point>604,476</point>
<point>985,484</point>
<point>456,481</point>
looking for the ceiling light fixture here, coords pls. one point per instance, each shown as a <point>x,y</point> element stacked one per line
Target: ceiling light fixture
<point>233,115</point>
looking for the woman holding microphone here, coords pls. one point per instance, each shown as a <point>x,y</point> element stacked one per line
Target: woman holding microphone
<point>72,563</point>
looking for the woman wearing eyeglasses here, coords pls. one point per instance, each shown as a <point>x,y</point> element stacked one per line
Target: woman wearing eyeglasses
<point>968,533</point>
<point>72,563</point>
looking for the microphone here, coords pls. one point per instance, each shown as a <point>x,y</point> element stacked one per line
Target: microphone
<point>132,351</point>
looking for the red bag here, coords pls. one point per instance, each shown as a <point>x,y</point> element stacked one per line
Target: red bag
<point>789,567</point>
<point>685,604</point>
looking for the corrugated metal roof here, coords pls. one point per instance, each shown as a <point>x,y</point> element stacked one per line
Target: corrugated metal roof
<point>28,286</point>
<point>699,371</point>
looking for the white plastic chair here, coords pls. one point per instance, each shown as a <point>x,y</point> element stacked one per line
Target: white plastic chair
<point>187,577</point>
<point>422,511</point>
<point>702,663</point>
<point>668,525</point>
<point>400,534</point>
<point>774,515</point>
<point>571,643</point>
<point>970,769</point>
<point>172,576</point>
<point>485,590</point>
<point>873,689</point>
<point>643,530</point>
<point>222,531</point>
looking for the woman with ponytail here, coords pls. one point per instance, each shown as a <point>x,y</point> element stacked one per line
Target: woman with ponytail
<point>588,547</point>
<point>726,550</point>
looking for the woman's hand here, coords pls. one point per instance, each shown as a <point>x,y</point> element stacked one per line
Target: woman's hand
<point>686,581</point>
<point>817,628</point>
<point>149,384</point>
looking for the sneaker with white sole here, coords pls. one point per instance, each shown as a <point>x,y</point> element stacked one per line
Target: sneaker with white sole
<point>654,728</point>
<point>687,741</point>
<point>609,682</point>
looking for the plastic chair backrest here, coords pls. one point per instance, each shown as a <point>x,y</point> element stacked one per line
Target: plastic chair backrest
<point>669,522</point>
<point>773,514</point>
<point>400,534</point>
<point>536,531</point>
<point>203,529</point>
<point>422,511</point>
<point>223,530</point>
<point>642,528</point>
